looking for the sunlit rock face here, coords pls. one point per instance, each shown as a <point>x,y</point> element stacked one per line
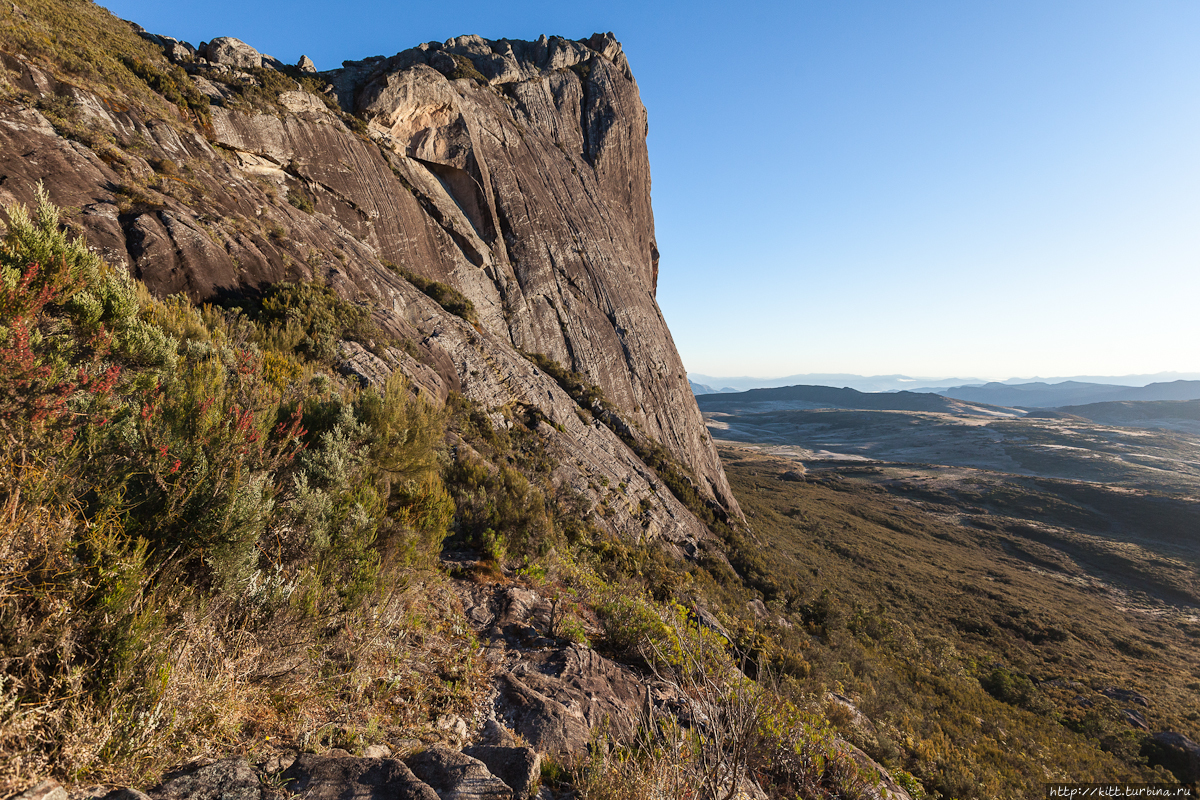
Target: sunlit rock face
<point>516,172</point>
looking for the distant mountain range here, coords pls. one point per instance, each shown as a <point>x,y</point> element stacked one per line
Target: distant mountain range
<point>1129,412</point>
<point>992,399</point>
<point>707,384</point>
<point>790,398</point>
<point>1069,393</point>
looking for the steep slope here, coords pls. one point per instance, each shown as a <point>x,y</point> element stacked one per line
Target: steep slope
<point>514,172</point>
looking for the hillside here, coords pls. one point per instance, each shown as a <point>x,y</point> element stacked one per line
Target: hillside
<point>1182,415</point>
<point>963,611</point>
<point>271,180</point>
<point>317,325</point>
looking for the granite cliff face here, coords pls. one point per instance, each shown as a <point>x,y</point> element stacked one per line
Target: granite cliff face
<point>515,172</point>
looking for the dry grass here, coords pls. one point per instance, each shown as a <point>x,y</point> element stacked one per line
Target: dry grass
<point>214,686</point>
<point>907,610</point>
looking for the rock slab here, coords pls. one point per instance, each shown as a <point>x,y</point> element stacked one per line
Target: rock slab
<point>456,776</point>
<point>315,777</point>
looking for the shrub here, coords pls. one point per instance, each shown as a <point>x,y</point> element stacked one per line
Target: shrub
<point>300,199</point>
<point>445,296</point>
<point>308,319</point>
<point>498,509</point>
<point>1009,687</point>
<point>172,493</point>
<point>173,84</point>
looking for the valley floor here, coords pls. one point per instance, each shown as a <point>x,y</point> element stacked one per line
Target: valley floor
<point>1074,605</point>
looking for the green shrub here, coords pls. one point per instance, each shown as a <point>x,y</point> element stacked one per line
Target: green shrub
<point>1009,687</point>
<point>445,296</point>
<point>300,199</point>
<point>464,68</point>
<point>173,84</point>
<point>172,492</point>
<point>498,509</point>
<point>308,319</point>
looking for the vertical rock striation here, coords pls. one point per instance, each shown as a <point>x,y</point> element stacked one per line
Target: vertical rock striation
<point>531,157</point>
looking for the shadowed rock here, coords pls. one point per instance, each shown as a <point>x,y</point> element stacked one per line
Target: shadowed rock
<point>1177,753</point>
<point>230,779</point>
<point>328,778</point>
<point>519,767</point>
<point>455,776</point>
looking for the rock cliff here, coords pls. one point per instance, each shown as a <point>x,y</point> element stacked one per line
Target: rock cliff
<point>515,172</point>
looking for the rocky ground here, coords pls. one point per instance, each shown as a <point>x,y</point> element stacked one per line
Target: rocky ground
<point>553,702</point>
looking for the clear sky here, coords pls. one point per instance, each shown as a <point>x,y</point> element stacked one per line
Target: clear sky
<point>930,187</point>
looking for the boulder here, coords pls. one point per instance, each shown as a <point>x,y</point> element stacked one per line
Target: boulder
<point>45,790</point>
<point>496,735</point>
<point>873,771</point>
<point>554,698</point>
<point>1134,718</point>
<point>455,776</point>
<point>544,722</point>
<point>305,64</point>
<point>125,794</point>
<point>233,53</point>
<point>1126,696</point>
<point>356,360</point>
<point>230,779</point>
<point>453,725</point>
<point>519,767</point>
<point>315,777</point>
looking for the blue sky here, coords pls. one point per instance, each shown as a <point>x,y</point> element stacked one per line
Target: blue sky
<point>933,188</point>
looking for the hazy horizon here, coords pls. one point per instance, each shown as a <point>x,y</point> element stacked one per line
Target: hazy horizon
<point>900,381</point>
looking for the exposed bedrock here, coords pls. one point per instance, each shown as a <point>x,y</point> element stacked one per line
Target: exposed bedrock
<point>516,172</point>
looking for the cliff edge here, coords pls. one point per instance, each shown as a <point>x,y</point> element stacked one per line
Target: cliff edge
<point>515,173</point>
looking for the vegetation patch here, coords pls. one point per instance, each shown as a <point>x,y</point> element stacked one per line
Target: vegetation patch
<point>444,295</point>
<point>981,702</point>
<point>184,506</point>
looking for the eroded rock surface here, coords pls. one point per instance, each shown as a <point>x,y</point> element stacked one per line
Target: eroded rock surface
<point>315,777</point>
<point>458,776</point>
<point>515,172</point>
<point>230,779</point>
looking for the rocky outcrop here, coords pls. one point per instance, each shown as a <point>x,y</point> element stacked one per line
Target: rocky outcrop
<point>232,53</point>
<point>531,156</point>
<point>316,777</point>
<point>555,260</point>
<point>515,172</point>
<point>551,697</point>
<point>230,779</point>
<point>519,767</point>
